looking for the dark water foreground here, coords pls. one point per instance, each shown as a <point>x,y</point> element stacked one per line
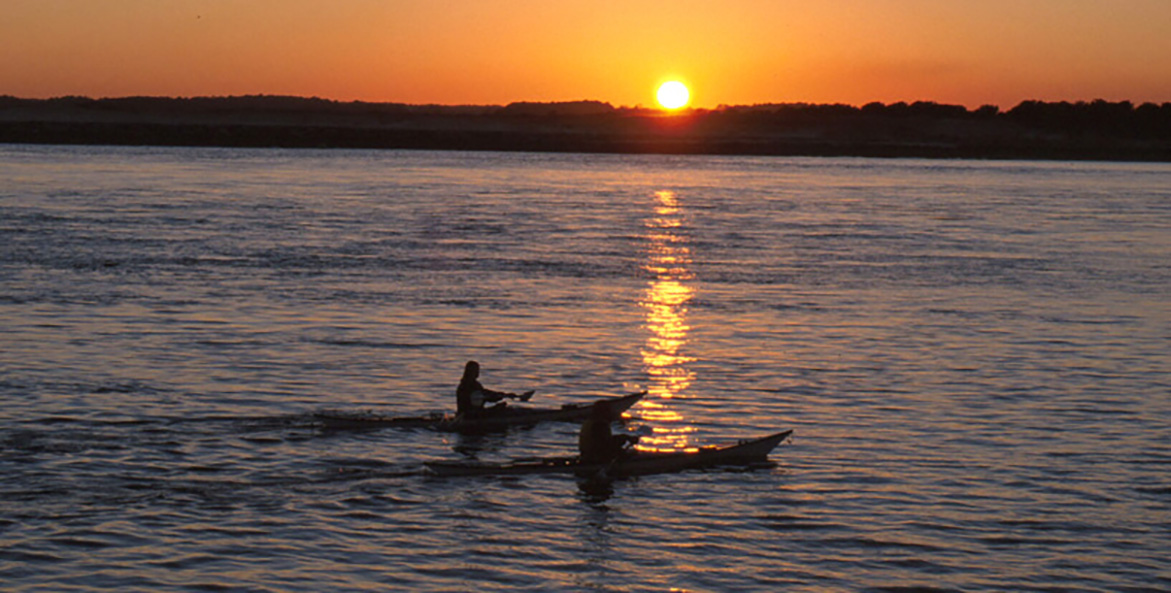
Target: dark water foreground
<point>972,354</point>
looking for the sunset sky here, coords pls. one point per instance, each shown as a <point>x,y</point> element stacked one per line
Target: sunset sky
<point>734,52</point>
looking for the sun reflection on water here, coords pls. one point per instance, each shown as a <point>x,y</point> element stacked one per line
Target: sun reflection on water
<point>665,302</point>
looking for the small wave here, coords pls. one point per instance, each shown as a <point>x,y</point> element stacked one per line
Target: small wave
<point>795,523</point>
<point>359,343</point>
<point>876,543</point>
<point>123,387</point>
<point>23,556</point>
<point>914,589</point>
<point>85,543</point>
<point>1020,540</point>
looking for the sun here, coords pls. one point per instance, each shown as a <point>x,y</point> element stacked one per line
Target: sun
<point>673,95</point>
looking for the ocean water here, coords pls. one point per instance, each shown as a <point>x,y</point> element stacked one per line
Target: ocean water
<point>974,357</point>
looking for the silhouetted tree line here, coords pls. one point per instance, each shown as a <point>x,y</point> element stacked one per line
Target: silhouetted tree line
<point>570,108</point>
<point>253,104</point>
<point>1146,120</point>
<point>1123,117</point>
<point>1033,129</point>
<point>1101,117</point>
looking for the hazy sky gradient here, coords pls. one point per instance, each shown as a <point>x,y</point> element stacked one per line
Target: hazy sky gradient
<point>970,52</point>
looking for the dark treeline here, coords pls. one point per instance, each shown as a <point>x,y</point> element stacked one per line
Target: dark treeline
<point>255,104</point>
<point>1116,118</point>
<point>1033,129</point>
<point>1119,117</point>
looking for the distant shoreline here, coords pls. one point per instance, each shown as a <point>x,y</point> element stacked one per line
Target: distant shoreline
<point>1033,130</point>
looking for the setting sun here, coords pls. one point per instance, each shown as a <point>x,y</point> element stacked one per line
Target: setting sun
<point>673,95</point>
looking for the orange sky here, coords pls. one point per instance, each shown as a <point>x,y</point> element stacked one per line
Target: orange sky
<point>970,52</point>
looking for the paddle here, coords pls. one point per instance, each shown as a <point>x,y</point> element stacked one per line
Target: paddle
<point>629,441</point>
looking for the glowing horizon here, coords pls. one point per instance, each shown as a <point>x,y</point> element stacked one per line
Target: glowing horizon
<point>738,52</point>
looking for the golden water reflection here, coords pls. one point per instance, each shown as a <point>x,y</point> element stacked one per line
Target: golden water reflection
<point>665,301</point>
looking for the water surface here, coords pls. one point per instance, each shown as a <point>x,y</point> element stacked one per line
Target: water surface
<point>973,356</point>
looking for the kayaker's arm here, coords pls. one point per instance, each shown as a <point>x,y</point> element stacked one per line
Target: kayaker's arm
<point>495,396</point>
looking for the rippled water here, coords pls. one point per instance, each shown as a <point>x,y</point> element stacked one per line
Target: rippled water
<point>973,355</point>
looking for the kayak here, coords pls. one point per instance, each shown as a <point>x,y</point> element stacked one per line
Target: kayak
<point>635,464</point>
<point>495,419</point>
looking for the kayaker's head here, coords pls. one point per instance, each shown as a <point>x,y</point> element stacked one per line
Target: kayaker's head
<point>472,370</point>
<point>602,412</point>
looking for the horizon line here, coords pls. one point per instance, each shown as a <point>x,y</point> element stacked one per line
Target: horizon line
<point>598,102</point>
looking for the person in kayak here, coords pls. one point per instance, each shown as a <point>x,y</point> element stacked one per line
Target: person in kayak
<point>471,396</point>
<point>596,443</point>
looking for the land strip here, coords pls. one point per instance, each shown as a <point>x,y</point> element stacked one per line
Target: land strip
<point>1097,130</point>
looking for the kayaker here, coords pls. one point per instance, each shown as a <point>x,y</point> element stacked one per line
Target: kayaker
<point>471,396</point>
<point>596,443</point>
